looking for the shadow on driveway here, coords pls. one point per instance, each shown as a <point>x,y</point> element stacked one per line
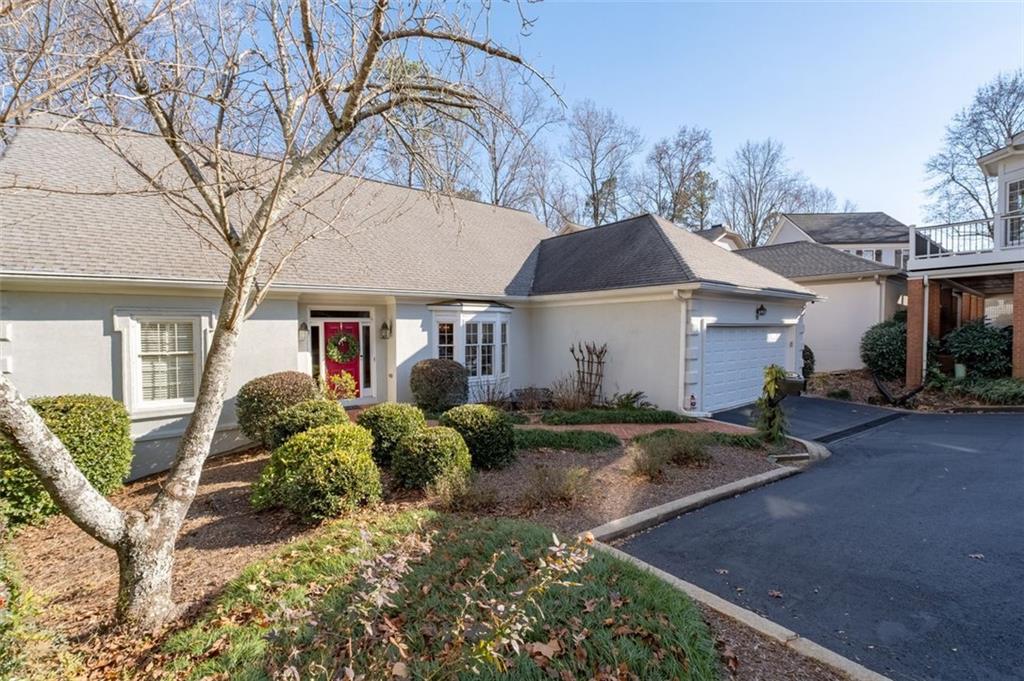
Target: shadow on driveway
<point>814,418</point>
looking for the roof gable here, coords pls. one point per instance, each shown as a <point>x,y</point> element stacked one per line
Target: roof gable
<point>850,228</point>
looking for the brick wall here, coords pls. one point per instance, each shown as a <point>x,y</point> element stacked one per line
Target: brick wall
<point>1018,324</point>
<point>915,336</point>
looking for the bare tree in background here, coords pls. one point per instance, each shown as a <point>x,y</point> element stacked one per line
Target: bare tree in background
<point>550,197</point>
<point>810,198</point>
<point>959,189</point>
<point>756,187</point>
<point>700,200</point>
<point>294,83</point>
<point>667,184</point>
<point>599,150</point>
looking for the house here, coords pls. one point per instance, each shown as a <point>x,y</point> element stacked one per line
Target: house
<point>874,236</point>
<point>723,237</point>
<point>858,293</point>
<point>969,270</point>
<point>115,292</point>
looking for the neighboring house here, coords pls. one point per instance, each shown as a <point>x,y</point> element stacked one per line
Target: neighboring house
<point>858,293</point>
<point>723,237</point>
<point>969,270</point>
<point>112,292</point>
<point>873,236</point>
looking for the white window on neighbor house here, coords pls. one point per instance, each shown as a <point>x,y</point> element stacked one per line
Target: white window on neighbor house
<point>870,254</point>
<point>902,257</point>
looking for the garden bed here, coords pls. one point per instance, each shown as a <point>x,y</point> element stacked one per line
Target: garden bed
<point>982,394</point>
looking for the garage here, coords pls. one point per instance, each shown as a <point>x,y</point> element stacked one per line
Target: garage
<point>734,362</point>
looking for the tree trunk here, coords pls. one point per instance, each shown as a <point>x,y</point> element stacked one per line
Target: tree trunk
<point>146,559</point>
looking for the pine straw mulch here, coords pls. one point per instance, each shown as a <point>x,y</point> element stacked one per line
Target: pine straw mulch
<point>75,579</point>
<point>862,389</point>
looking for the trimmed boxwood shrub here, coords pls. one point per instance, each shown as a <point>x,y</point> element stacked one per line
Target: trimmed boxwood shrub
<point>304,416</point>
<point>97,432</point>
<point>389,423</point>
<point>487,432</point>
<point>262,399</point>
<point>883,349</point>
<point>983,348</point>
<point>428,454</point>
<point>439,384</point>
<point>320,473</point>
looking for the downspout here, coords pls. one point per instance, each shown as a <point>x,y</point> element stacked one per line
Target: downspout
<point>924,334</point>
<point>880,283</point>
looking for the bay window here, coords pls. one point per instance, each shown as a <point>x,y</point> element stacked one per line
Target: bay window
<point>477,336</point>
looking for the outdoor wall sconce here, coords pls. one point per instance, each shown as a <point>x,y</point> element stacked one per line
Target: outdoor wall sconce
<point>385,331</point>
<point>303,332</point>
<point>760,311</point>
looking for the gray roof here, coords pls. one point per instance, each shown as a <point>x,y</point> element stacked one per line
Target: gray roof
<point>644,251</point>
<point>851,228</point>
<point>804,259</point>
<point>385,237</point>
<point>711,233</point>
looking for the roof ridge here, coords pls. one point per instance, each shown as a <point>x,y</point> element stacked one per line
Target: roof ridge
<point>657,220</point>
<point>602,225</point>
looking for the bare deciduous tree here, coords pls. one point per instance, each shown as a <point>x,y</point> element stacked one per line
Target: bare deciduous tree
<point>959,189</point>
<point>756,186</point>
<point>599,149</point>
<point>551,198</point>
<point>667,184</point>
<point>247,102</point>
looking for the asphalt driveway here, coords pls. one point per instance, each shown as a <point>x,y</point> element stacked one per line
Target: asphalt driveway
<point>815,418</point>
<point>903,551</point>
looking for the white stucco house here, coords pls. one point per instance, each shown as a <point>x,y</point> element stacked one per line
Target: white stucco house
<point>856,293</point>
<point>117,295</point>
<point>874,236</point>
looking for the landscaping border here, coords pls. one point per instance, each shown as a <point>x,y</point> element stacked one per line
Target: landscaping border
<point>777,632</point>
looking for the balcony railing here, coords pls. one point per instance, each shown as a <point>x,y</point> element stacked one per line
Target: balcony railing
<point>976,241</point>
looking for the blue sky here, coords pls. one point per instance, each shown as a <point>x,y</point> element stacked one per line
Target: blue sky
<point>858,93</point>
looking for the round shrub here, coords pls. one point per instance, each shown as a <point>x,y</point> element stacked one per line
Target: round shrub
<point>983,348</point>
<point>320,473</point>
<point>487,431</point>
<point>389,423</point>
<point>96,431</point>
<point>439,384</point>
<point>883,349</point>
<point>304,416</point>
<point>428,454</point>
<point>261,399</point>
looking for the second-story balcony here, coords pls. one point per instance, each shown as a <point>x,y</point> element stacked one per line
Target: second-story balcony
<point>961,244</point>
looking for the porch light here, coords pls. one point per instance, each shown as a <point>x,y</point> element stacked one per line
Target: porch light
<point>385,331</point>
<point>760,311</point>
<point>303,332</point>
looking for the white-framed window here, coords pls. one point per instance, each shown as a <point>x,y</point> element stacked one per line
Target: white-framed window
<point>471,351</point>
<point>870,254</point>
<point>902,257</point>
<point>446,340</point>
<point>504,348</point>
<point>476,338</point>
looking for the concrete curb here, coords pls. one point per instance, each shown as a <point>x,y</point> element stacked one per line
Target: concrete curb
<point>659,514</point>
<point>777,632</point>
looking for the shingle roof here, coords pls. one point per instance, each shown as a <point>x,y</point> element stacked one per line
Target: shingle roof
<point>800,259</point>
<point>711,233</point>
<point>643,251</point>
<point>386,238</point>
<point>851,228</point>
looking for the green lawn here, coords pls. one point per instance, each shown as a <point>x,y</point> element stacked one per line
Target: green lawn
<point>578,440</point>
<point>303,607</point>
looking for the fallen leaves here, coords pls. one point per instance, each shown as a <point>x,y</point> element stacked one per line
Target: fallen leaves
<point>775,593</point>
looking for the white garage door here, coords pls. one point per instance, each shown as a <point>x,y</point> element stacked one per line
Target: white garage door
<point>734,362</point>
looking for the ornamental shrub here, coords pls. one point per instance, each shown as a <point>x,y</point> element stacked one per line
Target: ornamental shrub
<point>304,416</point>
<point>983,348</point>
<point>771,419</point>
<point>487,431</point>
<point>678,446</point>
<point>808,357</point>
<point>389,422</point>
<point>439,384</point>
<point>320,473</point>
<point>429,454</point>
<point>96,431</point>
<point>883,349</point>
<point>261,399</point>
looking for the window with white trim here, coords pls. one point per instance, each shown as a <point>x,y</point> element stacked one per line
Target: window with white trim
<point>472,348</point>
<point>504,348</point>
<point>167,359</point>
<point>446,340</point>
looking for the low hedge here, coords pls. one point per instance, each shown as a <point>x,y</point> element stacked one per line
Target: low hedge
<point>304,416</point>
<point>995,391</point>
<point>389,423</point>
<point>487,431</point>
<point>576,440</point>
<point>262,399</point>
<point>676,446</point>
<point>320,473</point>
<point>589,416</point>
<point>429,454</point>
<point>439,384</point>
<point>97,433</point>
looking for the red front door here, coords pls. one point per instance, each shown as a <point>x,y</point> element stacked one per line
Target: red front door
<point>341,340</point>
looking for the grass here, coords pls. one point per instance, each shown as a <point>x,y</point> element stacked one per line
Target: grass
<point>590,416</point>
<point>576,440</point>
<point>289,613</point>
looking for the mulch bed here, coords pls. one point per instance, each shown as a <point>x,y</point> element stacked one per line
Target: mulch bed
<point>75,578</point>
<point>862,389</point>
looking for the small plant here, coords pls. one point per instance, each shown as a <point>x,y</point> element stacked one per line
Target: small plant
<point>634,399</point>
<point>532,398</point>
<point>487,431</point>
<point>342,386</point>
<point>648,462</point>
<point>97,433</point>
<point>808,357</point>
<point>556,486</point>
<point>320,473</point>
<point>983,348</point>
<point>304,416</point>
<point>456,491</point>
<point>742,440</point>
<point>839,394</point>
<point>566,394</point>
<point>491,393</point>
<point>389,423</point>
<point>591,416</point>
<point>998,391</point>
<point>576,440</point>
<point>676,446</point>
<point>771,420</point>
<point>428,454</point>
<point>439,384</point>
<point>261,399</point>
